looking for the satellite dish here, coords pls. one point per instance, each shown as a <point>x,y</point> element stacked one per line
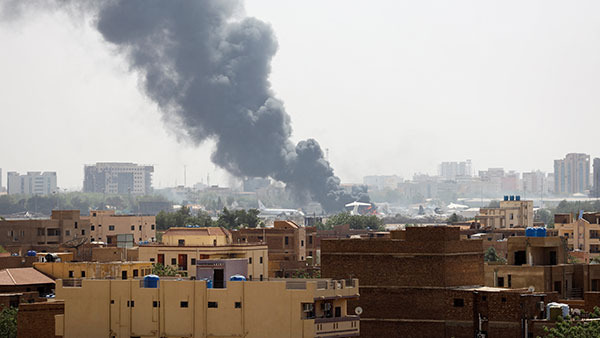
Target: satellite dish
<point>531,288</point>
<point>358,310</point>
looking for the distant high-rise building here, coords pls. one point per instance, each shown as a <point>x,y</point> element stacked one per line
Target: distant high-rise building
<point>33,183</point>
<point>572,174</point>
<point>596,190</point>
<point>382,181</point>
<point>534,182</point>
<point>118,178</point>
<point>452,170</point>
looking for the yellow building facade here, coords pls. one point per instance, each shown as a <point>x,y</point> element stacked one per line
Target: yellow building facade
<point>105,225</point>
<point>285,308</point>
<point>510,214</point>
<point>185,258</point>
<point>122,270</point>
<point>200,236</point>
<point>583,234</point>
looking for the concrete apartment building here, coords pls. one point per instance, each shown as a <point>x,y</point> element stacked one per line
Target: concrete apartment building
<point>118,178</point>
<point>427,282</point>
<point>452,170</point>
<point>112,270</point>
<point>105,225</point>
<point>512,213</point>
<point>572,174</point>
<point>126,308</point>
<point>32,183</point>
<point>582,234</point>
<point>196,236</point>
<point>185,258</point>
<point>287,246</point>
<point>596,179</point>
<point>63,226</point>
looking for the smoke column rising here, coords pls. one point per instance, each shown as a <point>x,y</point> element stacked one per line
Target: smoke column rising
<point>208,72</point>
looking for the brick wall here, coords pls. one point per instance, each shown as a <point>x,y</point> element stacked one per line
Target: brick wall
<point>37,319</point>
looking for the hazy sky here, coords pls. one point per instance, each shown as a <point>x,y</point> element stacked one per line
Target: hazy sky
<point>389,87</point>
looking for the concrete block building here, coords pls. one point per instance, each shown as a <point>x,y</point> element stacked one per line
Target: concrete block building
<point>106,224</point>
<point>512,213</point>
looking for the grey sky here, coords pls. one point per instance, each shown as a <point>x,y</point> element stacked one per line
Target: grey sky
<point>389,87</point>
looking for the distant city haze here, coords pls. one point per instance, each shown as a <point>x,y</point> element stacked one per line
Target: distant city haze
<point>388,87</point>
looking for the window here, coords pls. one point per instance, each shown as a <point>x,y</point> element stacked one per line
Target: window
<point>213,305</point>
<point>287,241</point>
<point>193,261</point>
<point>249,277</point>
<point>500,282</point>
<point>181,242</point>
<point>111,228</point>
<point>301,242</point>
<point>92,228</point>
<point>99,225</point>
<point>184,304</point>
<point>152,227</point>
<point>132,227</point>
<point>250,260</point>
<point>260,258</point>
<point>309,239</point>
<point>41,231</point>
<point>135,273</point>
<point>503,299</point>
<point>68,232</point>
<point>509,281</point>
<point>124,274</point>
<point>152,260</point>
<point>173,261</point>
<point>140,228</point>
<point>94,214</point>
<point>75,225</point>
<point>512,216</point>
<point>261,277</point>
<point>82,231</point>
<point>154,303</point>
<point>71,273</point>
<point>459,302</point>
<point>310,253</point>
<point>238,305</point>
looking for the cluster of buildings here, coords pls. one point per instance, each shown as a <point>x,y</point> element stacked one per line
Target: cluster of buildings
<point>429,281</point>
<point>574,174</point>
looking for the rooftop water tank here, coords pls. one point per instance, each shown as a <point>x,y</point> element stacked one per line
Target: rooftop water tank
<point>540,232</point>
<point>506,197</point>
<point>518,197</point>
<point>237,278</point>
<point>151,281</point>
<point>512,197</point>
<point>530,232</point>
<point>209,283</point>
<point>31,253</point>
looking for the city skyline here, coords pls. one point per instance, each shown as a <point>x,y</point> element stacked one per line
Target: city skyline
<point>418,97</point>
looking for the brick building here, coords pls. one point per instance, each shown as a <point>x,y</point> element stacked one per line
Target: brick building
<point>63,226</point>
<point>286,242</point>
<point>37,319</point>
<point>427,282</point>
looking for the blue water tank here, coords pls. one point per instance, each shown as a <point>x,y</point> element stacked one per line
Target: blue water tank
<point>237,278</point>
<point>530,232</point>
<point>506,197</point>
<point>512,197</point>
<point>518,197</point>
<point>31,253</point>
<point>540,232</point>
<point>151,281</point>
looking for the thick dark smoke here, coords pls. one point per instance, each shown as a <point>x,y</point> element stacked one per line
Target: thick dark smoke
<point>208,71</point>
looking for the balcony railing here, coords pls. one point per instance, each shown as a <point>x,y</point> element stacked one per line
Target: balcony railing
<point>348,326</point>
<point>72,282</point>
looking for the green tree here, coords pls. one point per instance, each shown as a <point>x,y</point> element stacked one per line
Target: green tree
<point>575,328</point>
<point>227,219</point>
<point>492,256</point>
<point>163,270</point>
<point>8,322</point>
<point>545,216</point>
<point>454,218</point>
<point>355,221</point>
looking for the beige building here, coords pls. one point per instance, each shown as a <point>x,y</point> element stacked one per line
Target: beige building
<point>286,308</point>
<point>63,226</point>
<point>287,244</point>
<point>123,270</point>
<point>512,213</point>
<point>105,225</point>
<point>583,234</point>
<point>201,236</point>
<point>185,258</point>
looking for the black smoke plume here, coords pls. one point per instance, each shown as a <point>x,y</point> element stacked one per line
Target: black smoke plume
<point>207,68</point>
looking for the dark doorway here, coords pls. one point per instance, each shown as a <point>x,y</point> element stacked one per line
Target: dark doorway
<point>123,274</point>
<point>520,258</point>
<point>218,283</point>
<point>557,287</point>
<point>552,257</point>
<point>338,311</point>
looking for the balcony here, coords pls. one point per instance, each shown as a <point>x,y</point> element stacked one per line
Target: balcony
<point>344,288</point>
<point>348,326</point>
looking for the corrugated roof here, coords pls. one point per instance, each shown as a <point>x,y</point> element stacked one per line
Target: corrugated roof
<point>23,276</point>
